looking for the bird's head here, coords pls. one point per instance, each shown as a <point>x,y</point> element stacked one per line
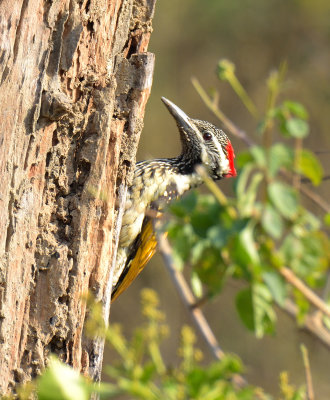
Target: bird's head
<point>203,143</point>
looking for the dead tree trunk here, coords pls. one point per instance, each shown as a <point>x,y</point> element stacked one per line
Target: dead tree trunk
<point>75,78</point>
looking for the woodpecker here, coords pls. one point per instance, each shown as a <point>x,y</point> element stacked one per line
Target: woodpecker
<point>157,182</point>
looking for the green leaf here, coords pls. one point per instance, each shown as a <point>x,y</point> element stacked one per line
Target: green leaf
<point>210,269</point>
<point>284,199</point>
<point>248,241</point>
<point>327,219</point>
<point>246,247</point>
<point>196,285</point>
<point>182,239</point>
<point>198,249</point>
<point>247,191</point>
<point>258,153</point>
<point>297,127</point>
<point>242,180</point>
<point>276,285</point>
<point>303,306</point>
<point>296,109</point>
<point>308,221</point>
<point>244,307</point>
<point>185,205</point>
<point>254,306</point>
<point>264,315</point>
<point>61,382</point>
<point>217,235</point>
<point>307,254</point>
<point>292,118</point>
<point>280,156</point>
<point>310,166</point>
<point>225,69</point>
<point>243,158</point>
<point>272,222</point>
<point>251,194</point>
<point>202,221</point>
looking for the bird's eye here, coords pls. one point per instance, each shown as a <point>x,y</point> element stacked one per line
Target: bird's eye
<point>207,136</point>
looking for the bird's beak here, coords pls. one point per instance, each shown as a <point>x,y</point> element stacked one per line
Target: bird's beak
<point>180,117</point>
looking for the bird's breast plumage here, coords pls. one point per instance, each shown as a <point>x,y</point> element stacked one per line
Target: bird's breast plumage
<point>155,184</point>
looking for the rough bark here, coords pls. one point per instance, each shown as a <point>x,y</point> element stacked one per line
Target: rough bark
<point>75,78</point>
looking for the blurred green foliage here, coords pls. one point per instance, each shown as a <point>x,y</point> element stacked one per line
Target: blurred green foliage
<point>139,370</point>
<point>265,226</point>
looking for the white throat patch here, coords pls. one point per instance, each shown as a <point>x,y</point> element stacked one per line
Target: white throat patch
<point>223,162</point>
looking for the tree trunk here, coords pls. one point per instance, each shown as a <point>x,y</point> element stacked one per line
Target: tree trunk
<point>75,78</point>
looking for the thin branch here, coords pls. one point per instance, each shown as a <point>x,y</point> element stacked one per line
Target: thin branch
<point>189,301</point>
<point>309,382</point>
<point>312,323</point>
<point>316,198</point>
<point>226,72</point>
<point>213,107</point>
<point>307,180</point>
<point>239,133</point>
<point>188,298</point>
<point>310,193</point>
<point>326,289</point>
<point>321,151</point>
<point>313,298</point>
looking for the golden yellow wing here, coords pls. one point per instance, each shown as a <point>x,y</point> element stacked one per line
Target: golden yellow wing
<point>143,249</point>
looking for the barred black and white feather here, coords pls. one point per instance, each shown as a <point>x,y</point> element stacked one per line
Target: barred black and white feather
<point>157,182</point>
